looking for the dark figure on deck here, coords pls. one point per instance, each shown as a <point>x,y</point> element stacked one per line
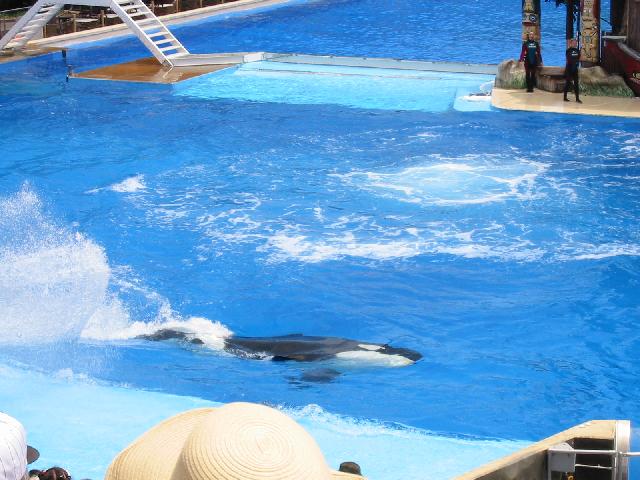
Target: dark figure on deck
<point>571,70</point>
<point>532,58</point>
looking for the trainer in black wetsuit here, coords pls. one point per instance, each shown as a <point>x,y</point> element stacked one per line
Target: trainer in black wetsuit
<point>532,59</point>
<point>571,70</point>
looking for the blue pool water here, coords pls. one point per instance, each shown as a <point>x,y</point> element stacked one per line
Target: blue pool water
<point>267,200</point>
<point>482,31</point>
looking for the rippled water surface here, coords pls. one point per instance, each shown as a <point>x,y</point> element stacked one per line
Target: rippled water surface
<point>503,246</point>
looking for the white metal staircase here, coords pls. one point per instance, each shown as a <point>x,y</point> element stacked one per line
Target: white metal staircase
<point>134,13</point>
<point>30,24</point>
<point>149,29</point>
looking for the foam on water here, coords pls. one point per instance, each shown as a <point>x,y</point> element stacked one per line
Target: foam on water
<point>464,182</point>
<point>56,284</point>
<point>495,186</point>
<point>431,239</point>
<point>128,185</point>
<point>598,252</point>
<point>112,417</point>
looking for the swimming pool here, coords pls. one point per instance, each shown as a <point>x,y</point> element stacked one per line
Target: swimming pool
<point>503,246</point>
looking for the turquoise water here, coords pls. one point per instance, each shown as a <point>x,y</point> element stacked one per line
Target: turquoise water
<point>272,199</point>
<point>102,418</point>
<point>374,89</point>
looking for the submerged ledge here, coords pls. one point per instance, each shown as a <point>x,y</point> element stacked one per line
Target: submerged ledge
<point>148,70</point>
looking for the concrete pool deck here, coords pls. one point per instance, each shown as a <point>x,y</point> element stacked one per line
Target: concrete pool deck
<point>119,30</point>
<point>28,53</point>
<point>541,101</point>
<point>48,45</point>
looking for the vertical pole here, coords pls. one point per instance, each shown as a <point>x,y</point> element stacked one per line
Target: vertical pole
<point>590,32</point>
<point>569,21</point>
<point>531,18</point>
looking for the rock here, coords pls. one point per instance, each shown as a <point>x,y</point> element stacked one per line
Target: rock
<point>594,81</point>
<point>510,75</point>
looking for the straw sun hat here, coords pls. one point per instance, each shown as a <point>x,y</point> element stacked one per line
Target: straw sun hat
<point>238,441</point>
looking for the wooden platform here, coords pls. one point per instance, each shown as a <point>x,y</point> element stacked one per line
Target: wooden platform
<point>148,70</point>
<point>540,101</point>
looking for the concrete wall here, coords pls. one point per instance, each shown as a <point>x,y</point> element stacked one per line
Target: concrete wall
<point>531,463</point>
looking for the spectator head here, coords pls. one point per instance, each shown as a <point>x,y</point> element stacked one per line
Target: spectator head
<point>350,467</point>
<point>14,452</point>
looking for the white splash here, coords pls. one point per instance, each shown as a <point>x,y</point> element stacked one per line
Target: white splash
<point>57,284</point>
<point>477,98</point>
<point>128,185</point>
<point>51,280</point>
<point>211,333</point>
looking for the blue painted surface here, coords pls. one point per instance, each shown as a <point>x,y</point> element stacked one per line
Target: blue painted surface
<point>503,246</point>
<point>369,88</point>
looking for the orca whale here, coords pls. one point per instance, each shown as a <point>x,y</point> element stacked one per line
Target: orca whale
<point>300,348</point>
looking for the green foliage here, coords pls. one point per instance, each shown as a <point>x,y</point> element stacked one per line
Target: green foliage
<point>517,81</point>
<point>596,90</point>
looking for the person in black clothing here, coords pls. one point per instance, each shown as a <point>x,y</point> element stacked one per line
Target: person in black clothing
<point>571,70</point>
<point>532,58</point>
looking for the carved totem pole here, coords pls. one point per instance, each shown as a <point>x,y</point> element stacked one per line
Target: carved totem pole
<point>590,32</point>
<point>531,18</point>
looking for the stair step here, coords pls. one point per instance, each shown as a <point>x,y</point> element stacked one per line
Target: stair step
<point>172,47</point>
<point>162,42</point>
<point>148,21</point>
<point>179,55</point>
<point>158,34</point>
<point>33,26</point>
<point>137,14</point>
<point>127,8</point>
